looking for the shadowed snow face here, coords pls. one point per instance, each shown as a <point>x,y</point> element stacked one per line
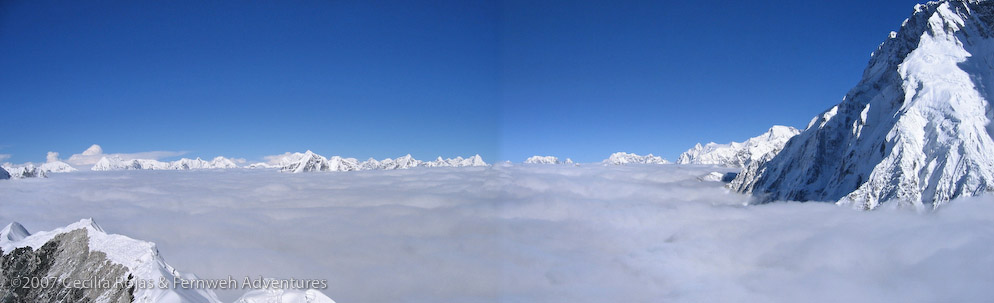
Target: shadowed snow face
<point>524,233</point>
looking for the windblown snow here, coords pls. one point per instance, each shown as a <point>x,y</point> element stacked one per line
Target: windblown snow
<point>737,154</point>
<point>916,129</point>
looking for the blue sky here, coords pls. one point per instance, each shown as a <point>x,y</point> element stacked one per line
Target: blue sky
<point>505,79</point>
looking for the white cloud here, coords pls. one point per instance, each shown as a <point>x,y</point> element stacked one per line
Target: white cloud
<point>52,157</point>
<point>529,234</point>
<point>93,154</point>
<point>275,159</point>
<point>4,157</point>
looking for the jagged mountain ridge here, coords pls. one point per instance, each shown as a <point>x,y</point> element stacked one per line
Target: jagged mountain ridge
<point>117,163</point>
<point>917,128</point>
<point>548,160</point>
<point>737,154</point>
<point>310,162</point>
<point>623,158</point>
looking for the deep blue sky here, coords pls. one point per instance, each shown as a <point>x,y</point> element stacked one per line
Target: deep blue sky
<point>505,79</point>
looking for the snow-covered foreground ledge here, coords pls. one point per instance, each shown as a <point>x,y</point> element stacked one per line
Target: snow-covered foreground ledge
<point>526,233</point>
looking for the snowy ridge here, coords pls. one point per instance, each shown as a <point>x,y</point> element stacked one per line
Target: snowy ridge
<point>117,163</point>
<point>310,162</point>
<point>916,129</point>
<point>547,160</point>
<point>737,154</point>
<point>141,259</point>
<point>623,158</point>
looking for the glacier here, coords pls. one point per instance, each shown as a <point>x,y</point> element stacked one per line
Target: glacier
<point>916,129</point>
<point>736,154</point>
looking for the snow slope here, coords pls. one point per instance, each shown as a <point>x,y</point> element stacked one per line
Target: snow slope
<point>623,158</point>
<point>917,128</point>
<point>737,154</point>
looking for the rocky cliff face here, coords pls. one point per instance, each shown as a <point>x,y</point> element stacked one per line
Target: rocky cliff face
<point>65,258</point>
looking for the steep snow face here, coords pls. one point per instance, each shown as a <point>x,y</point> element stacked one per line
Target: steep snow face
<point>737,154</point>
<point>917,128</point>
<point>57,167</point>
<point>24,171</point>
<point>547,160</point>
<point>623,158</point>
<point>117,163</point>
<point>310,162</point>
<point>83,251</point>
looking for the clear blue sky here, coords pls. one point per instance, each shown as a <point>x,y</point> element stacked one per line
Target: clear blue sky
<point>505,79</point>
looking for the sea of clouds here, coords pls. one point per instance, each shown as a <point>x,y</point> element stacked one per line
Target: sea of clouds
<point>525,233</point>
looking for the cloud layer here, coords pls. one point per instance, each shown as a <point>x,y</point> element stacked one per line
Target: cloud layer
<point>525,233</point>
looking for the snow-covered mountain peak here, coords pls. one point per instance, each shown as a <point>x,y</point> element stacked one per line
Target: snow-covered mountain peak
<point>548,160</point>
<point>623,158</point>
<point>57,167</point>
<point>737,154</point>
<point>13,232</point>
<point>117,163</point>
<point>917,128</point>
<point>310,161</point>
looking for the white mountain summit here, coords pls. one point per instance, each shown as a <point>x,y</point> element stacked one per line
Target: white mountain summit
<point>737,154</point>
<point>916,129</point>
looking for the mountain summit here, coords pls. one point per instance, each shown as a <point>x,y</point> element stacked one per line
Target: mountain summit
<point>917,128</point>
